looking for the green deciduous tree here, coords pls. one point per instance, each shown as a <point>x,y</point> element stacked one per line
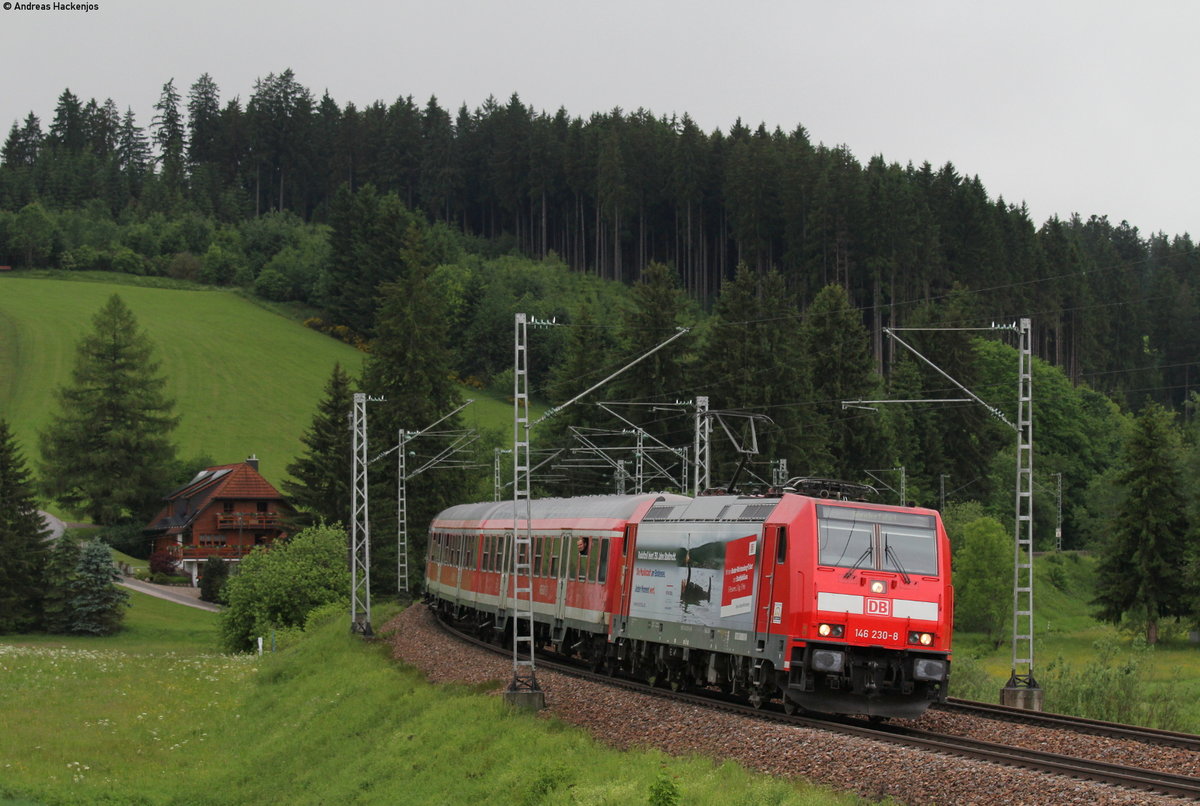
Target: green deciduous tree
<point>23,549</point>
<point>212,584</point>
<point>97,604</point>
<point>277,588</point>
<point>320,483</point>
<point>108,447</point>
<point>1142,568</point>
<point>983,578</point>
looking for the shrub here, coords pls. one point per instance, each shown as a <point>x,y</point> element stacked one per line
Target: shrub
<point>162,562</point>
<point>212,584</point>
<point>278,588</point>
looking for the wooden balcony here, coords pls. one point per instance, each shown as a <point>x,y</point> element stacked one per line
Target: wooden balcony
<point>247,520</point>
<point>202,552</point>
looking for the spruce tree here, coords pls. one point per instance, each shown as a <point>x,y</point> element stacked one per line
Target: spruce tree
<point>409,372</point>
<point>61,569</point>
<point>1142,567</point>
<point>97,604</point>
<point>320,483</point>
<point>108,449</point>
<point>845,443</point>
<point>23,548</point>
<point>751,362</point>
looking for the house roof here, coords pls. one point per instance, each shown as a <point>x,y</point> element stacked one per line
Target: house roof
<point>222,482</point>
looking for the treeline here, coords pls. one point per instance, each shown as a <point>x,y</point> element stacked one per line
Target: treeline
<point>609,194</point>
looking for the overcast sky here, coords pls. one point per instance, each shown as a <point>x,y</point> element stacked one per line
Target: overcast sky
<point>1081,106</point>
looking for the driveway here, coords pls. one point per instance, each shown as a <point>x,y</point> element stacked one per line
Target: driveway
<point>180,595</point>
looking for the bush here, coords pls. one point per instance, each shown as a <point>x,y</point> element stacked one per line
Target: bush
<point>163,562</point>
<point>1114,689</point>
<point>212,584</point>
<point>278,588</point>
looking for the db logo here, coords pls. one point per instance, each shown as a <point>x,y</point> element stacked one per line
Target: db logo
<point>879,607</point>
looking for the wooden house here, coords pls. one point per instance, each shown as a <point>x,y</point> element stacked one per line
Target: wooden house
<point>225,511</point>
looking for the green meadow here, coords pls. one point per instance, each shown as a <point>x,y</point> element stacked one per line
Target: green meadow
<point>152,717</point>
<point>1079,661</point>
<point>245,379</point>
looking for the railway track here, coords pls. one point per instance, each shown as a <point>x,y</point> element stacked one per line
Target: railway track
<point>1132,778</point>
<point>1096,727</point>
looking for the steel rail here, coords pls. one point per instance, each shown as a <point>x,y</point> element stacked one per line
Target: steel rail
<point>1096,727</point>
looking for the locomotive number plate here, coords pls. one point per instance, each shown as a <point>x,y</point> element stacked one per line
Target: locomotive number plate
<point>877,635</point>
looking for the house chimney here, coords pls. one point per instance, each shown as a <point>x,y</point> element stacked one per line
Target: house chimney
<point>253,462</point>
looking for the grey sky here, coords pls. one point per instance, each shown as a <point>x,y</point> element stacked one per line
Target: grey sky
<point>1085,107</point>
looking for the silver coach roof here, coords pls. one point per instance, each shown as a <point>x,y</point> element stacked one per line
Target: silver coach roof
<point>592,506</point>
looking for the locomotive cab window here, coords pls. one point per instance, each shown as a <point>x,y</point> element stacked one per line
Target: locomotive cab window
<point>852,537</point>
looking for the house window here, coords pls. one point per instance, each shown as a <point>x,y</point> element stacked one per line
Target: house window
<point>262,506</point>
<point>228,507</point>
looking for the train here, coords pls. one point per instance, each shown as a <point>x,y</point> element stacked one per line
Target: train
<point>808,594</point>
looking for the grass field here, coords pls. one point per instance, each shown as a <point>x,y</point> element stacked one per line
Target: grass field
<point>245,379</point>
<point>1066,634</point>
<point>147,717</point>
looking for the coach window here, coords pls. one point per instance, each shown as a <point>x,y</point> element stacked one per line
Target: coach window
<point>594,558</point>
<point>486,565</point>
<point>538,546</point>
<point>602,574</point>
<point>502,552</point>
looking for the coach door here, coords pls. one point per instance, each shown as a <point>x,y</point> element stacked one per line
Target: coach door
<point>560,549</point>
<point>505,567</point>
<point>771,558</point>
<point>628,557</point>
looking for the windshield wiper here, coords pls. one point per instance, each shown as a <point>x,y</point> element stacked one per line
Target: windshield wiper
<point>887,552</point>
<point>857,563</point>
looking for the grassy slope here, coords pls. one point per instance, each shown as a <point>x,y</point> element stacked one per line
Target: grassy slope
<point>245,380</point>
<point>1066,632</point>
<point>329,719</point>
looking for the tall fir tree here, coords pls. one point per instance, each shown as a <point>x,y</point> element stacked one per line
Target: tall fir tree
<point>320,477</point>
<point>751,363</point>
<point>1142,572</point>
<point>409,371</point>
<point>108,448</point>
<point>23,548</point>
<point>61,570</point>
<point>846,443</point>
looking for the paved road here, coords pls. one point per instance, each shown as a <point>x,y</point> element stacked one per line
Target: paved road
<point>179,595</point>
<point>55,525</point>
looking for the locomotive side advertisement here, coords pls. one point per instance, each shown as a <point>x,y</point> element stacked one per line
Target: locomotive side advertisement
<point>699,574</point>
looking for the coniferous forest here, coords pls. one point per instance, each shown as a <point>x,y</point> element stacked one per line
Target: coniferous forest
<point>812,252</point>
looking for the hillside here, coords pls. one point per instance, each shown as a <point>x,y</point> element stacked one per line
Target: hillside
<point>245,380</point>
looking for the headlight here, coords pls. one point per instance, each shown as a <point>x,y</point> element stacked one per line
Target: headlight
<point>831,630</point>
<point>878,586</point>
<point>827,660</point>
<point>929,669</point>
<point>922,638</point>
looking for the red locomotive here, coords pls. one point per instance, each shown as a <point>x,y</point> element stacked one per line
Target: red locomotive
<point>829,604</point>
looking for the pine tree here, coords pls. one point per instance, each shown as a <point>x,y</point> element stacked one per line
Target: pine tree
<point>322,473</point>
<point>59,585</point>
<point>837,354</point>
<point>1142,570</point>
<point>108,447</point>
<point>23,549</point>
<point>97,604</point>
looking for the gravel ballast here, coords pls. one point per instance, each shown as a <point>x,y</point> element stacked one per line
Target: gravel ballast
<point>871,769</point>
